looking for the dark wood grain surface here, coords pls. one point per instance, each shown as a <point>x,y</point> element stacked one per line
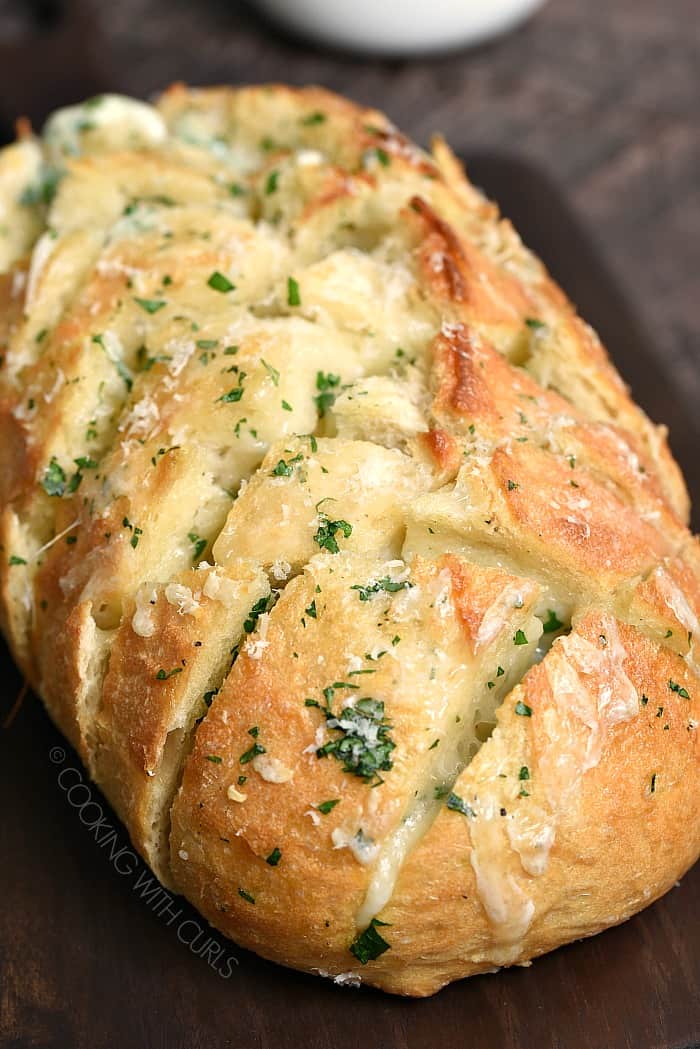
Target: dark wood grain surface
<point>95,956</point>
<point>603,97</point>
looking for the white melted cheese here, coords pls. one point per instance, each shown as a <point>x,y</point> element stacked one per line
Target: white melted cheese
<point>675,599</point>
<point>125,122</point>
<point>142,620</point>
<point>364,849</point>
<point>272,769</point>
<point>593,694</point>
<point>219,588</point>
<point>40,256</point>
<point>181,596</point>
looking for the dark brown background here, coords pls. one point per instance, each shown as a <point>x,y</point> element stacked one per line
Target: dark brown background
<point>605,98</point>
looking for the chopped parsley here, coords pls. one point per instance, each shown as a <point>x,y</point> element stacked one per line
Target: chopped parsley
<point>272,372</point>
<point>381,155</point>
<point>134,529</point>
<point>43,191</point>
<point>327,531</point>
<point>219,282</point>
<point>512,485</point>
<point>675,687</point>
<point>311,610</point>
<point>313,118</point>
<point>285,467</point>
<point>246,896</point>
<point>552,623</point>
<point>163,674</point>
<point>388,585</point>
<point>214,758</point>
<point>326,383</point>
<point>293,295</point>
<point>325,806</point>
<point>457,804</point>
<point>198,543</point>
<point>15,560</point>
<point>233,396</point>
<point>251,753</point>
<point>287,406</point>
<point>364,745</point>
<point>519,638</point>
<point>523,709</point>
<point>54,480</point>
<point>369,944</point>
<point>534,324</point>
<point>274,857</point>
<point>262,605</point>
<point>524,772</point>
<point>271,183</point>
<point>150,305</point>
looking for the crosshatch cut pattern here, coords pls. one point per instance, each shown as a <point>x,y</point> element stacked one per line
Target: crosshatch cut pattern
<point>333,542</point>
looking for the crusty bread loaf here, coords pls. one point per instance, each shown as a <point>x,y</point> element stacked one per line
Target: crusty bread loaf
<point>334,543</point>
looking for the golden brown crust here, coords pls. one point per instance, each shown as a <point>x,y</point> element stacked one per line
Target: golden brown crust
<point>333,541</point>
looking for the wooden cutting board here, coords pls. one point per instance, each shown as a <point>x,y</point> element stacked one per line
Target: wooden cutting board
<point>94,956</point>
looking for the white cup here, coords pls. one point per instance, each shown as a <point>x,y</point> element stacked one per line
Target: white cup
<point>399,27</point>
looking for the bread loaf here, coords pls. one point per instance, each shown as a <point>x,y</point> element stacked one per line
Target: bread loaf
<point>334,543</point>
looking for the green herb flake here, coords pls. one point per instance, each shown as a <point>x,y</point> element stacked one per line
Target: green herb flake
<point>285,467</point>
<point>261,605</point>
<point>523,710</point>
<point>272,372</point>
<point>246,896</point>
<point>287,406</point>
<point>271,183</point>
<point>293,295</point>
<point>519,638</point>
<point>675,687</point>
<point>364,745</point>
<point>251,753</point>
<point>369,944</point>
<point>219,282</point>
<point>274,857</point>
<point>512,485</point>
<point>163,674</point>
<point>534,324</point>
<point>54,480</point>
<point>457,804</point>
<point>199,544</point>
<point>327,531</point>
<point>327,384</point>
<point>325,806</point>
<point>311,610</point>
<point>524,772</point>
<point>388,585</point>
<point>214,758</point>
<point>552,623</point>
<point>150,305</point>
<point>15,560</point>
<point>313,118</point>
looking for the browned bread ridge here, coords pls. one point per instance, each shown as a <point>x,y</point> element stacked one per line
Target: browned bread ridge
<point>334,543</point>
